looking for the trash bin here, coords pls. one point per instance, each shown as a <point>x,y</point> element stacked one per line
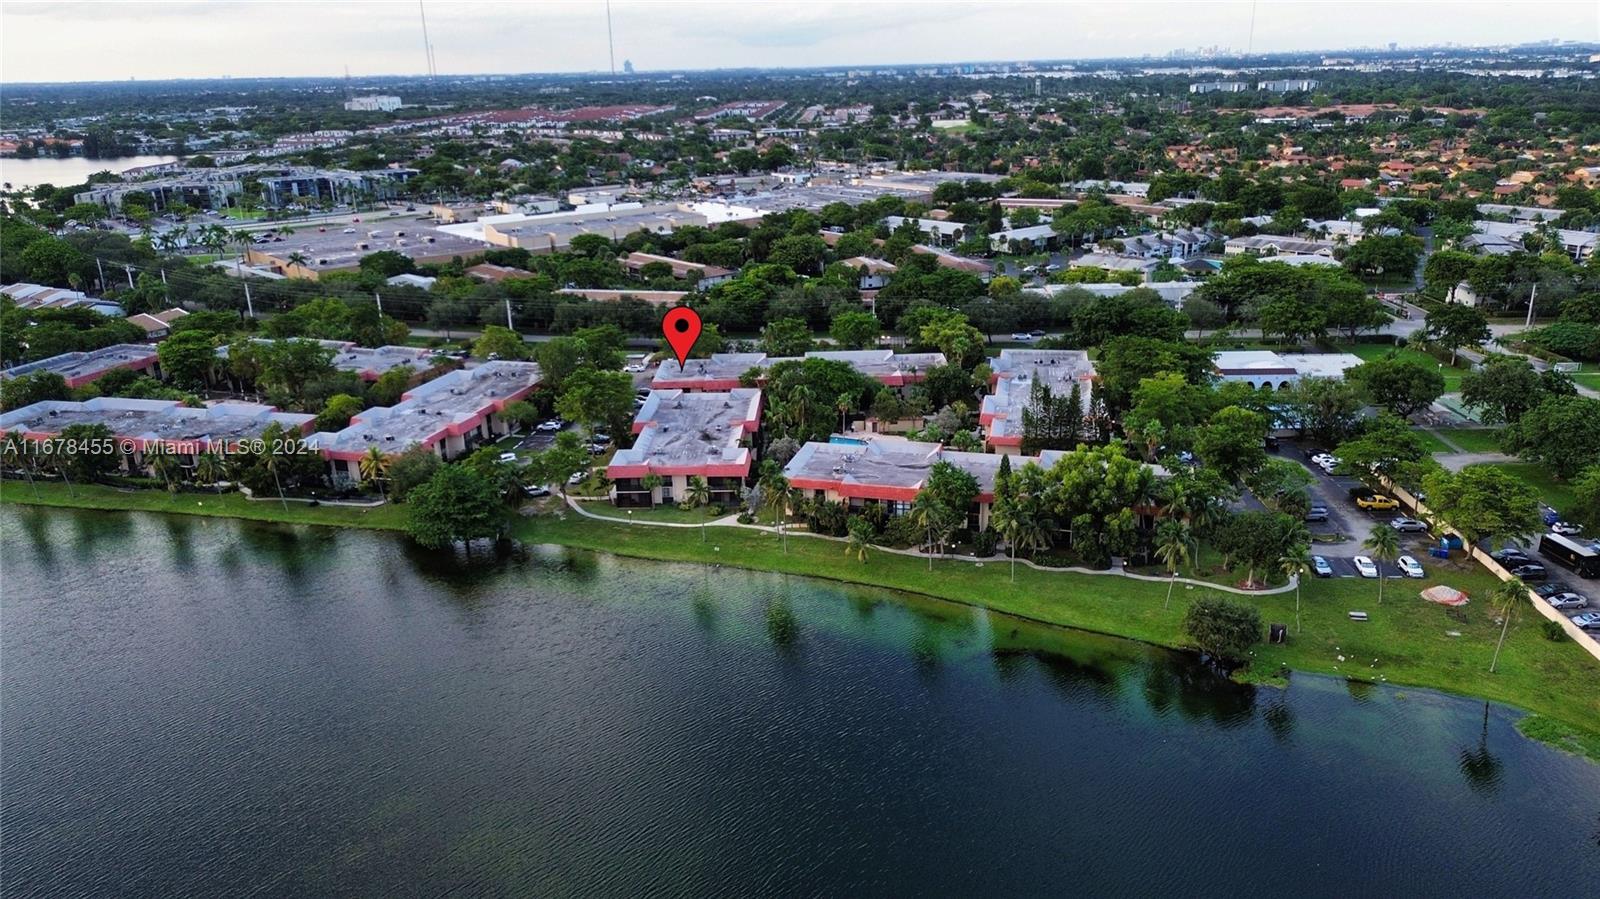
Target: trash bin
<point>1278,633</point>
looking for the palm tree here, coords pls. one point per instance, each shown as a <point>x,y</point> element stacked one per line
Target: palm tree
<point>1173,539</point>
<point>926,512</point>
<point>1294,564</point>
<point>776,493</point>
<point>1007,520</point>
<point>164,464</point>
<point>296,258</point>
<point>860,538</point>
<point>1384,545</point>
<point>1506,598</point>
<point>208,468</point>
<point>652,482</point>
<point>272,466</point>
<point>699,495</point>
<point>844,404</point>
<point>16,455</point>
<point>374,466</point>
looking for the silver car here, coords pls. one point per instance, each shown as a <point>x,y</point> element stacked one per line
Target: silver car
<point>1568,600</point>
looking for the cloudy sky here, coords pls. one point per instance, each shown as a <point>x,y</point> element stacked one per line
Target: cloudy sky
<point>153,39</point>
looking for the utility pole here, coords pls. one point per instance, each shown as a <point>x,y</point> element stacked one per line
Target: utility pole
<point>508,316</point>
<point>380,301</point>
<point>248,305</point>
<point>1531,294</point>
<point>129,270</point>
<point>611,51</point>
<point>102,270</point>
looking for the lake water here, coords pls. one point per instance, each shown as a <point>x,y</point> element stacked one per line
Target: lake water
<point>27,173</point>
<point>197,707</point>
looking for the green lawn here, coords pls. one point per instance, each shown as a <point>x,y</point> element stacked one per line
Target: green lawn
<point>666,512</point>
<point>242,215</point>
<point>1474,440</point>
<point>226,505</point>
<point>1371,351</point>
<point>1433,444</point>
<point>1556,494</point>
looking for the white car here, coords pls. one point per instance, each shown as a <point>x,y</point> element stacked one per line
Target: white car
<point>1409,566</point>
<point>548,427</point>
<point>1589,621</point>
<point>349,231</point>
<point>635,368</point>
<point>1568,600</point>
<point>1022,336</point>
<point>577,478</point>
<point>1330,463</point>
<point>1365,567</point>
<point>1565,529</point>
<point>508,457</point>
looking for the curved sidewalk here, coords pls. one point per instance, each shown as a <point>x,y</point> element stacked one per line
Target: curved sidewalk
<point>731,521</point>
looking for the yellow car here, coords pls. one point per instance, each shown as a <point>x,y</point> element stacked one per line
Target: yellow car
<point>1377,503</point>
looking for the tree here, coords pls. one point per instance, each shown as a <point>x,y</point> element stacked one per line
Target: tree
<point>1173,539</point>
<point>1328,408</point>
<point>786,337</point>
<point>855,330</point>
<point>1233,442</point>
<point>1282,486</point>
<point>556,465</point>
<point>35,387</point>
<point>209,468</point>
<point>1454,326</point>
<point>1295,565</point>
<point>1400,384</point>
<point>1204,314</point>
<point>291,365</point>
<point>385,264</point>
<point>499,343</point>
<point>1502,389</point>
<point>860,531</point>
<point>374,465</point>
<point>337,412</point>
<point>187,358</point>
<point>1384,544</point>
<point>1376,254</point>
<point>1222,628</point>
<point>1562,432</point>
<point>1506,599</point>
<point>600,399</point>
<point>1586,499</point>
<point>456,505</point>
<point>1257,539</point>
<point>1484,503</point>
<point>558,357</point>
<point>16,452</point>
<point>410,470</point>
<point>1386,445</point>
<point>928,515</point>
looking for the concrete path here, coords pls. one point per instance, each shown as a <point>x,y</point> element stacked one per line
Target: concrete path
<point>732,521</point>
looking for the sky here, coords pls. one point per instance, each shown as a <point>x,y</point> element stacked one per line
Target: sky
<point>157,39</point>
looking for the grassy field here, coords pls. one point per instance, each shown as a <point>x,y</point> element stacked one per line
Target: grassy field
<point>1556,494</point>
<point>1371,351</point>
<point>1433,444</point>
<point>1474,440</point>
<point>1406,640</point>
<point>226,505</point>
<point>668,513</point>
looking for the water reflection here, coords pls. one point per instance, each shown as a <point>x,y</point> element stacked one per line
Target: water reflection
<point>1479,766</point>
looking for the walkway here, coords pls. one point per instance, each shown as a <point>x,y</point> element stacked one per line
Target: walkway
<point>732,521</point>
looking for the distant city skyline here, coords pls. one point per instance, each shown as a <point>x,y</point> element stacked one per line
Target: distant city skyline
<point>81,41</point>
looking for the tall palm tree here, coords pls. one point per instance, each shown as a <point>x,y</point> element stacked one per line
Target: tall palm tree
<point>860,531</point>
<point>272,466</point>
<point>1294,564</point>
<point>776,493</point>
<point>1384,544</point>
<point>926,512</point>
<point>296,258</point>
<point>1173,539</point>
<point>1506,598</point>
<point>374,467</point>
<point>651,482</point>
<point>844,404</point>
<point>208,468</point>
<point>1205,514</point>
<point>1006,519</point>
<point>699,494</point>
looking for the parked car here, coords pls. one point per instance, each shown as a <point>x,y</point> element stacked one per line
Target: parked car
<point>1567,600</point>
<point>600,439</point>
<point>1377,502</point>
<point>597,449</point>
<point>1365,566</point>
<point>1551,588</point>
<point>548,427</point>
<point>1269,443</point>
<point>1022,336</point>
<point>1566,529</point>
<point>634,367</point>
<point>1510,555</point>
<point>1320,567</point>
<point>349,231</point>
<point>536,490</point>
<point>577,478</point>
<point>508,457</point>
<point>1329,464</point>
<point>1036,332</point>
<point>1549,515</point>
<point>1589,621</point>
<point>1530,571</point>
<point>1409,525</point>
<point>1317,513</point>
<point>1409,566</point>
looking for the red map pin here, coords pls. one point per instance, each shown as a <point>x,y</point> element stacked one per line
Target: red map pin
<point>681,327</point>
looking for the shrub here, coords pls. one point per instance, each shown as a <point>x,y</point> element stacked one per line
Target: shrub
<point>1224,629</point>
<point>984,542</point>
<point>1554,632</point>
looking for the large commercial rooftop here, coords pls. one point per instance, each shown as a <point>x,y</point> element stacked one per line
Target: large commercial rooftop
<point>82,367</point>
<point>333,250</point>
<point>1266,369</point>
<point>683,433</point>
<point>368,362</point>
<point>139,423</point>
<point>449,405</point>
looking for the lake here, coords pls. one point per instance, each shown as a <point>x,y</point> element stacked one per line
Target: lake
<point>196,707</point>
<point>28,173</point>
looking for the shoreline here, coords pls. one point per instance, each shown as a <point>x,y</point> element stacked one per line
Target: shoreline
<point>1121,607</point>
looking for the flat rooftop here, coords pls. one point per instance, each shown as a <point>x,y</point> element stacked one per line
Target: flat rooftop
<point>82,367</point>
<point>887,467</point>
<point>721,370</point>
<point>1016,371</point>
<point>691,433</point>
<point>449,405</point>
<point>156,421</point>
<point>369,362</point>
<point>335,250</point>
